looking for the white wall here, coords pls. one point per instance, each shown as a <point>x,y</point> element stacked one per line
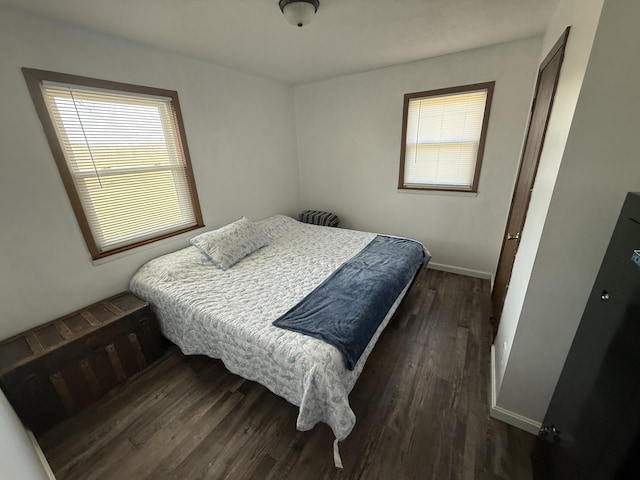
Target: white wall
<point>349,131</point>
<point>582,16</point>
<point>240,131</point>
<point>18,456</point>
<point>599,165</point>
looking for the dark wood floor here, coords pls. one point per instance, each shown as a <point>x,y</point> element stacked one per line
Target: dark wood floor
<point>421,405</point>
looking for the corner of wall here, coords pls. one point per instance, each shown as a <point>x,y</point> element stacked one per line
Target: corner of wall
<point>504,415</point>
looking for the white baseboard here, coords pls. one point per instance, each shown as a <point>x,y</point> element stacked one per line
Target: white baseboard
<point>506,416</point>
<point>459,270</point>
<point>43,459</point>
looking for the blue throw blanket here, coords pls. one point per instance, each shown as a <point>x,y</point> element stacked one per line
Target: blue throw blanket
<point>348,307</point>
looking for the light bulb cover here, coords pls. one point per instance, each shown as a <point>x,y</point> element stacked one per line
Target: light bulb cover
<point>299,12</point>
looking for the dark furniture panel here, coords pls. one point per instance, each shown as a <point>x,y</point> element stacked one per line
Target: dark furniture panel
<point>56,369</point>
<point>593,418</point>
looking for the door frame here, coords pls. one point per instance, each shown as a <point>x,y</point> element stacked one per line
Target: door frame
<point>498,303</point>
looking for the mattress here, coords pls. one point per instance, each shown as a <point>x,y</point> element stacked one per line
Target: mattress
<point>228,315</point>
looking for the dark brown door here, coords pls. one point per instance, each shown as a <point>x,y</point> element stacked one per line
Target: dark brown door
<point>546,85</point>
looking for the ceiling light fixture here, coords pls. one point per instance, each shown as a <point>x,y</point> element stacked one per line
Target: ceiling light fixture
<point>299,12</point>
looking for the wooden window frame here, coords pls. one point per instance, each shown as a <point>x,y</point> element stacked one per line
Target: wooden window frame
<point>34,79</point>
<point>489,87</point>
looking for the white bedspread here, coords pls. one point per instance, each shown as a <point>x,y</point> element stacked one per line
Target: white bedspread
<point>228,315</point>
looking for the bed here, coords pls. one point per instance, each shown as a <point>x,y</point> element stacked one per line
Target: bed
<point>226,311</point>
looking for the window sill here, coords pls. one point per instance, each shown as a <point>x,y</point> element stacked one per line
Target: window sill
<point>446,193</point>
<point>159,244</point>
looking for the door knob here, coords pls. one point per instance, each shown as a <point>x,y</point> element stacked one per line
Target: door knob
<point>549,431</point>
<point>513,236</point>
<point>604,296</point>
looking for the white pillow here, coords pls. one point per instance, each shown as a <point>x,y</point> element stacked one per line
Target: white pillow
<point>229,244</point>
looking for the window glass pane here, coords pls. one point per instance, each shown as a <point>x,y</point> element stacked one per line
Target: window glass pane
<point>125,206</point>
<point>446,164</point>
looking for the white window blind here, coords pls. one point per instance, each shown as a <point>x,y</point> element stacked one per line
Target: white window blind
<point>125,155</point>
<point>443,134</point>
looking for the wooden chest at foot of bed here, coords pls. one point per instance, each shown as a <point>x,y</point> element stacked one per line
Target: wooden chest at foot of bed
<point>56,369</point>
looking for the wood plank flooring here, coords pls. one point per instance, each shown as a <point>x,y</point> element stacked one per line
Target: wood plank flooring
<point>421,405</point>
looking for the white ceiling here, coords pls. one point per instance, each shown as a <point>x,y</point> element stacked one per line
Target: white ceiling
<point>346,36</point>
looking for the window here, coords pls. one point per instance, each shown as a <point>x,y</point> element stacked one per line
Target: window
<point>122,154</point>
<point>443,135</point>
